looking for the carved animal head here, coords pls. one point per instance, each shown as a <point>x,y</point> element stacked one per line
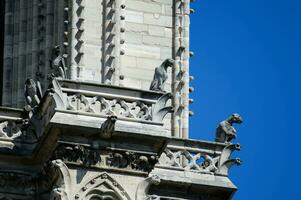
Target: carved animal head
<point>155,179</point>
<point>168,63</point>
<point>30,83</point>
<point>236,118</point>
<point>112,118</point>
<point>56,50</point>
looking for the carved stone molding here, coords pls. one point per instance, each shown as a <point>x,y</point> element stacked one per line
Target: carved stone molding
<point>131,160</point>
<point>144,186</point>
<point>62,181</point>
<point>105,158</point>
<point>106,106</point>
<point>77,154</point>
<point>10,130</point>
<point>102,186</point>
<point>109,100</point>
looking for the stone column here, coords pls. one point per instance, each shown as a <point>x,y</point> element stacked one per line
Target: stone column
<point>75,39</point>
<point>8,52</point>
<point>15,66</point>
<point>180,83</point>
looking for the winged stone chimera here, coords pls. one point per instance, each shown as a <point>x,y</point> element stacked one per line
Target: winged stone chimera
<point>160,75</point>
<point>225,132</point>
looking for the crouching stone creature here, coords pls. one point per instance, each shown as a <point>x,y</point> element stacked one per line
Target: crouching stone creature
<point>161,76</point>
<point>108,127</point>
<point>57,64</point>
<point>225,132</point>
<point>33,94</point>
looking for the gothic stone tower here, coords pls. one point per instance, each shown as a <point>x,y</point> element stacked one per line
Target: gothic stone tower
<point>95,104</point>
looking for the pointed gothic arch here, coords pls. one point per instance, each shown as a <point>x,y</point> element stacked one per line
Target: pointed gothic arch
<point>101,187</point>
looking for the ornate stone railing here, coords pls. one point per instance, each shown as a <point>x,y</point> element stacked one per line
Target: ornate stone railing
<point>198,157</point>
<point>11,125</point>
<point>107,100</point>
<point>66,99</point>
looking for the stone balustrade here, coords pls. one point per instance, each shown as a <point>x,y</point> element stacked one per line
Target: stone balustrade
<point>198,157</point>
<point>108,100</point>
<point>11,124</point>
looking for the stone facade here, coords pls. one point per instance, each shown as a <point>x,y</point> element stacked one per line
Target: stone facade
<point>111,42</point>
<point>105,110</point>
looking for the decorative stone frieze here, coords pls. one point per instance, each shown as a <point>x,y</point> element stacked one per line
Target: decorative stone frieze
<point>105,158</point>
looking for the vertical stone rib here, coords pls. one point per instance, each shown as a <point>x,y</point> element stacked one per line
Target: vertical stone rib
<point>176,70</point>
<point>21,67</point>
<point>63,32</point>
<point>117,19</point>
<point>8,52</point>
<point>110,33</point>
<point>73,64</point>
<point>15,52</point>
<point>180,84</point>
<point>113,32</point>
<point>29,41</point>
<point>120,41</point>
<point>35,38</point>
<point>49,8</point>
<point>41,69</point>
<point>76,41</point>
<point>185,78</point>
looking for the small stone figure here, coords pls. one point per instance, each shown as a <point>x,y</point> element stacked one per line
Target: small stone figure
<point>58,64</point>
<point>225,132</point>
<point>160,75</point>
<point>108,127</point>
<point>33,93</point>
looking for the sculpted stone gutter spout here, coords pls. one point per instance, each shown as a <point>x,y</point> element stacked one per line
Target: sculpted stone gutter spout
<point>144,186</point>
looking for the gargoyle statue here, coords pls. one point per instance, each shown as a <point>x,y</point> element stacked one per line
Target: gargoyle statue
<point>225,132</point>
<point>108,127</point>
<point>58,64</point>
<point>33,93</point>
<point>160,75</point>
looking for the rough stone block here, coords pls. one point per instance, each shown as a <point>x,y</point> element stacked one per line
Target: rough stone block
<point>134,27</point>
<point>133,37</point>
<point>147,63</point>
<point>156,30</point>
<point>144,6</point>
<point>141,74</point>
<point>134,16</point>
<point>132,82</point>
<point>144,51</point>
<point>168,32</point>
<point>128,61</point>
<point>167,10</point>
<point>166,52</point>
<point>157,19</point>
<point>158,41</point>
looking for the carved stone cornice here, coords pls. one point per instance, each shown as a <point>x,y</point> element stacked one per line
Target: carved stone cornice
<point>105,158</point>
<point>138,112</point>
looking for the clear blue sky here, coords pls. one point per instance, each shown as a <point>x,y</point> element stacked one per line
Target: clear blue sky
<point>248,60</point>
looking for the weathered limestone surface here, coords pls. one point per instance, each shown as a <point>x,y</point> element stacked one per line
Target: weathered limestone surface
<point>105,110</point>
<point>148,40</point>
